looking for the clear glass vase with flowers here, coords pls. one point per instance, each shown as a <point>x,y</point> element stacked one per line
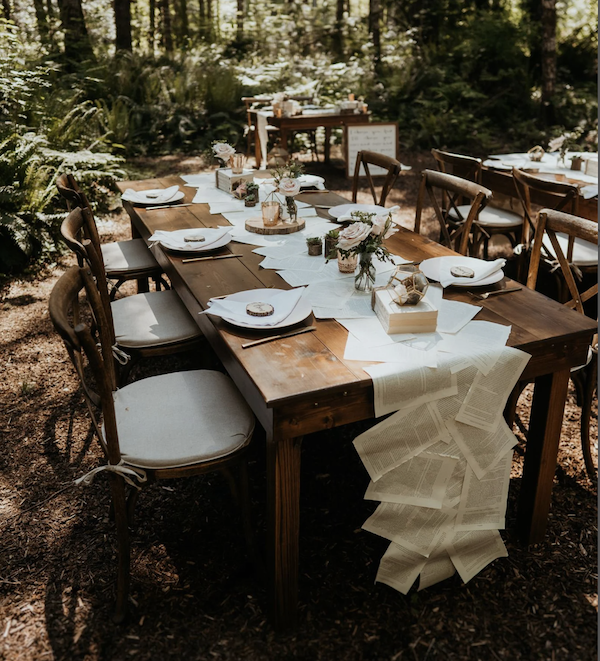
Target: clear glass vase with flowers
<point>287,184</point>
<point>364,238</point>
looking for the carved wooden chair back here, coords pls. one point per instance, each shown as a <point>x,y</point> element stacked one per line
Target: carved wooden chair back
<point>391,165</point>
<point>452,234</point>
<point>465,167</point>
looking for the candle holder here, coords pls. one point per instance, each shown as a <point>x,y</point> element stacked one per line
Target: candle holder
<point>270,213</point>
<point>237,162</point>
<point>347,264</point>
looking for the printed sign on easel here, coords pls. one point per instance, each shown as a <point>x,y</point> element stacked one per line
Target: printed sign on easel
<point>378,137</point>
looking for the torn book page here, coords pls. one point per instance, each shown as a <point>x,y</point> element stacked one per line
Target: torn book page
<point>390,354</point>
<point>399,568</point>
<point>483,501</point>
<point>438,568</point>
<point>371,334</point>
<point>479,341</point>
<point>398,438</point>
<point>485,402</point>
<point>482,449</point>
<point>415,528</point>
<point>420,481</point>
<point>473,550</point>
<point>396,386</point>
<point>449,407</point>
<point>454,315</point>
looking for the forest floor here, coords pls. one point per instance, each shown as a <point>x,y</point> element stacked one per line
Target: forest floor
<point>193,594</point>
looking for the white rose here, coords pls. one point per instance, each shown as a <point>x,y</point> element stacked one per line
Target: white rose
<point>289,187</point>
<point>392,230</point>
<point>352,235</point>
<point>223,151</point>
<point>379,222</point>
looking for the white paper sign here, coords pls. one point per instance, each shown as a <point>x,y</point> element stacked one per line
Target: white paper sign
<point>380,138</point>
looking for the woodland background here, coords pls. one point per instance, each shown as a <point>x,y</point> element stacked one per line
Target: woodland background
<point>89,86</point>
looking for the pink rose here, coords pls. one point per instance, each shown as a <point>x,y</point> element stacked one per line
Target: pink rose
<point>353,235</point>
<point>289,187</point>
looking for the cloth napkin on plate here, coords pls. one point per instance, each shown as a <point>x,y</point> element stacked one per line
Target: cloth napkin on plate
<point>283,305</point>
<point>152,196</point>
<point>176,240</point>
<point>481,268</point>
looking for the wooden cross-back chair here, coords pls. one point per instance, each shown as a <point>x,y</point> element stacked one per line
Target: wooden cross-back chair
<point>452,234</point>
<point>552,224</point>
<point>492,220</point>
<point>148,324</point>
<point>168,426</point>
<point>391,165</point>
<point>123,260</point>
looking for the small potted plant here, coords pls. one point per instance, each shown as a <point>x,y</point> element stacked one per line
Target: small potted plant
<point>315,246</point>
<point>330,243</point>
<point>251,194</point>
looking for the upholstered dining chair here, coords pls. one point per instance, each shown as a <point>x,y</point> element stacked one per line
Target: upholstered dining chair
<point>437,187</point>
<point>148,324</point>
<point>391,165</point>
<point>493,220</point>
<point>551,228</point>
<point>123,260</point>
<point>560,196</point>
<point>161,427</point>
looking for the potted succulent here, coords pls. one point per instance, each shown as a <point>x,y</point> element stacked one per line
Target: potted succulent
<point>330,243</point>
<point>315,245</point>
<point>251,194</point>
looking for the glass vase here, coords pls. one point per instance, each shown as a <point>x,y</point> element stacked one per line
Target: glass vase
<point>365,278</point>
<point>292,209</point>
<point>347,264</point>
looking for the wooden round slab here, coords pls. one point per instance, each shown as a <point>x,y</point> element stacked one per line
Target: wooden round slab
<point>256,225</point>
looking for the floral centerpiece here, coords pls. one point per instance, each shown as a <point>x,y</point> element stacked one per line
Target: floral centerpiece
<point>223,152</point>
<point>579,139</point>
<point>365,237</point>
<point>286,183</point>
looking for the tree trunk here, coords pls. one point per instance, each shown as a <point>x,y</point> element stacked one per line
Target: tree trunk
<point>240,20</point>
<point>167,33</point>
<point>6,9</point>
<point>375,29</point>
<point>548,57</point>
<point>182,19</point>
<point>209,20</point>
<point>152,32</point>
<point>77,40</point>
<point>122,10</point>
<point>338,35</point>
<point>42,20</point>
<point>202,18</point>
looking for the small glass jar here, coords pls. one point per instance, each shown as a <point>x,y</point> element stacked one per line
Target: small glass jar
<point>237,162</point>
<point>347,264</point>
<point>270,213</point>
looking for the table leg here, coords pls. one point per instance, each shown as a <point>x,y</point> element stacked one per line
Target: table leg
<point>283,522</point>
<point>143,285</point>
<point>540,455</point>
<point>257,151</point>
<point>327,146</point>
<point>284,139</point>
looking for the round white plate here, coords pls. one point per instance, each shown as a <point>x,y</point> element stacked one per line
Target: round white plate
<point>343,209</point>
<point>431,268</point>
<point>308,180</point>
<point>302,310</point>
<point>199,247</point>
<point>142,198</point>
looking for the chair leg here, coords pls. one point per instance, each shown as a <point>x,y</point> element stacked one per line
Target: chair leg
<point>117,487</point>
<point>586,411</point>
<point>115,288</point>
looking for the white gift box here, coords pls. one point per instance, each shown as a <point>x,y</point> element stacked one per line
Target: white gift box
<point>420,318</point>
<point>225,178</point>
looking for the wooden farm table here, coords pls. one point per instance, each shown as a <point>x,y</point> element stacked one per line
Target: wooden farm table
<point>502,182</point>
<point>311,120</point>
<point>303,384</point>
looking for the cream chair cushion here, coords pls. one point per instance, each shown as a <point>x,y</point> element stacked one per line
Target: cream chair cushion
<point>124,256</point>
<point>153,319</point>
<point>180,419</point>
<point>584,252</point>
<point>492,217</point>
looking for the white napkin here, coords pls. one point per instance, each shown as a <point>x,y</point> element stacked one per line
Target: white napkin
<point>152,196</point>
<point>283,305</point>
<point>176,240</point>
<point>481,268</point>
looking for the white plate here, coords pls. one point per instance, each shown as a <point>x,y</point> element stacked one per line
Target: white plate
<point>343,209</point>
<point>302,310</point>
<point>308,180</point>
<point>431,268</point>
<point>199,247</point>
<point>143,198</point>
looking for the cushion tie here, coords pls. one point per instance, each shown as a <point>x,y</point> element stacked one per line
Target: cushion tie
<point>120,355</point>
<point>125,472</point>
